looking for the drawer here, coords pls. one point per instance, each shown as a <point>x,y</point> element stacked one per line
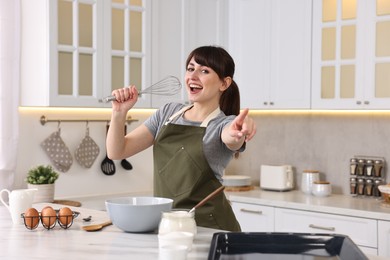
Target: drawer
<point>254,218</point>
<point>362,231</point>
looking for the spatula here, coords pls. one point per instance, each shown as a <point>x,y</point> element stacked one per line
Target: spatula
<point>125,163</point>
<point>97,227</point>
<point>108,165</point>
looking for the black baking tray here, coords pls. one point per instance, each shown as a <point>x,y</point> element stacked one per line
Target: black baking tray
<point>262,245</point>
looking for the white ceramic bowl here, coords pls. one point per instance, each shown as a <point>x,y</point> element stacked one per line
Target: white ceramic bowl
<point>137,214</point>
<point>321,189</point>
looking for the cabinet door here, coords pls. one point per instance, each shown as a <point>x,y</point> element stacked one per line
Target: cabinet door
<point>271,44</point>
<point>76,52</point>
<point>351,54</point>
<point>362,231</point>
<point>384,238</point>
<point>254,218</point>
<point>179,26</point>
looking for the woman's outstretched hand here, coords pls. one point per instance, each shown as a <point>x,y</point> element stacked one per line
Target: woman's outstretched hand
<point>242,126</point>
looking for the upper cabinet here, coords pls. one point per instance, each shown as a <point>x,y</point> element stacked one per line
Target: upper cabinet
<point>351,54</point>
<point>76,52</point>
<point>179,26</point>
<point>270,41</point>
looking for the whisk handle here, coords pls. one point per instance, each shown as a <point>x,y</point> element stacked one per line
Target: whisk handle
<point>107,99</point>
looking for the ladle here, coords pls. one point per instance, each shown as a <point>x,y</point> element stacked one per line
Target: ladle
<point>97,227</point>
<point>210,196</point>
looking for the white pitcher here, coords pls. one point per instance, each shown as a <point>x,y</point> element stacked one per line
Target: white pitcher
<point>18,202</point>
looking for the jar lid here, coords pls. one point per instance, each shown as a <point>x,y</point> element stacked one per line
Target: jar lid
<point>321,182</point>
<point>310,171</point>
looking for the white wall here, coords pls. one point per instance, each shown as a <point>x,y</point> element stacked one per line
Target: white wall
<point>79,181</point>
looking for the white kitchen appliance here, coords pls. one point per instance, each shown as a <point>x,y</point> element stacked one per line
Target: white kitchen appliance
<point>278,178</point>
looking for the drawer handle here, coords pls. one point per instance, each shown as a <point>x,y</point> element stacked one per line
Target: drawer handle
<point>252,211</point>
<point>323,228</point>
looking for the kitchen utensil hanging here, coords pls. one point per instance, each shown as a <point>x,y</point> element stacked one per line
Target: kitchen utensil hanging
<point>125,163</point>
<point>108,166</point>
<point>168,86</point>
<point>57,151</point>
<point>87,151</point>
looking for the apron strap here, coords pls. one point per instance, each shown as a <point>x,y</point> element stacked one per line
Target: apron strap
<point>205,122</point>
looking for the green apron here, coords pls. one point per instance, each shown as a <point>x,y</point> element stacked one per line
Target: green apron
<point>181,172</point>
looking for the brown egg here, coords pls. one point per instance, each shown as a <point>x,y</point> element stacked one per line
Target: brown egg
<point>65,216</point>
<point>48,216</point>
<point>31,218</point>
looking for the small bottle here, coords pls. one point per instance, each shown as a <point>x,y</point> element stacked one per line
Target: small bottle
<point>368,187</point>
<point>378,166</point>
<point>360,186</point>
<point>353,165</point>
<point>369,168</point>
<point>376,192</point>
<point>360,167</point>
<point>353,186</point>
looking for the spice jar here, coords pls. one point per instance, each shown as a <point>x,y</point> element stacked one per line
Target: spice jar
<point>360,186</point>
<point>353,166</point>
<point>369,168</point>
<point>353,186</point>
<point>378,166</point>
<point>177,220</point>
<point>376,192</point>
<point>368,187</point>
<point>360,167</point>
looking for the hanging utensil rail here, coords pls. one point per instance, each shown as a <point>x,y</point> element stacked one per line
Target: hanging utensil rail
<point>44,120</point>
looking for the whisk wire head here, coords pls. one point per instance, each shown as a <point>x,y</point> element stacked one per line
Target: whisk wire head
<point>168,86</point>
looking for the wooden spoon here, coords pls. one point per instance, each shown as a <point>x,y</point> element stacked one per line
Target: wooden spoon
<point>211,195</point>
<point>97,227</point>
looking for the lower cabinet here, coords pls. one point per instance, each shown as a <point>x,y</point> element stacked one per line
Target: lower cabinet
<point>362,231</point>
<point>372,236</point>
<point>254,218</point>
<point>384,238</point>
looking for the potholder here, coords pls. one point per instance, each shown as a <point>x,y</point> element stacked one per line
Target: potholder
<point>87,151</point>
<point>57,151</point>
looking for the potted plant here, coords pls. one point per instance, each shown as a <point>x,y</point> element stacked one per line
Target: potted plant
<point>42,178</point>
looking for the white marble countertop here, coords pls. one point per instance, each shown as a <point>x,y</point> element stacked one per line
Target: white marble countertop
<point>17,242</point>
<point>334,204</point>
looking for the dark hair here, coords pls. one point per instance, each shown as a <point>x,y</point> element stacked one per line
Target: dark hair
<point>222,63</point>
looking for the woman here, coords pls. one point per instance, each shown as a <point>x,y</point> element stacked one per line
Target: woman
<point>193,144</point>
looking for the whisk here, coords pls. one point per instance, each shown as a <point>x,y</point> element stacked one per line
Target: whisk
<point>168,86</point>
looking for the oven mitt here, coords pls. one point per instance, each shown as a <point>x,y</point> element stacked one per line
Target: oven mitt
<point>87,151</point>
<point>58,152</point>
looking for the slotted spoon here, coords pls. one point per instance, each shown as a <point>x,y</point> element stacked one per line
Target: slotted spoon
<point>108,166</point>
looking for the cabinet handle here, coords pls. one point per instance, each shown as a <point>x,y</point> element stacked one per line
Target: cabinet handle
<point>271,103</point>
<point>265,103</point>
<point>366,102</point>
<point>252,211</point>
<point>358,102</point>
<point>323,228</point>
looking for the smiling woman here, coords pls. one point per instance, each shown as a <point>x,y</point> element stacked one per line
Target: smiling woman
<point>9,89</point>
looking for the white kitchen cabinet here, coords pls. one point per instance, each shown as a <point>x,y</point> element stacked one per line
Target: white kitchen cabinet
<point>254,218</point>
<point>351,55</point>
<point>384,238</point>
<point>362,231</point>
<point>179,26</point>
<point>76,52</point>
<point>270,41</point>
